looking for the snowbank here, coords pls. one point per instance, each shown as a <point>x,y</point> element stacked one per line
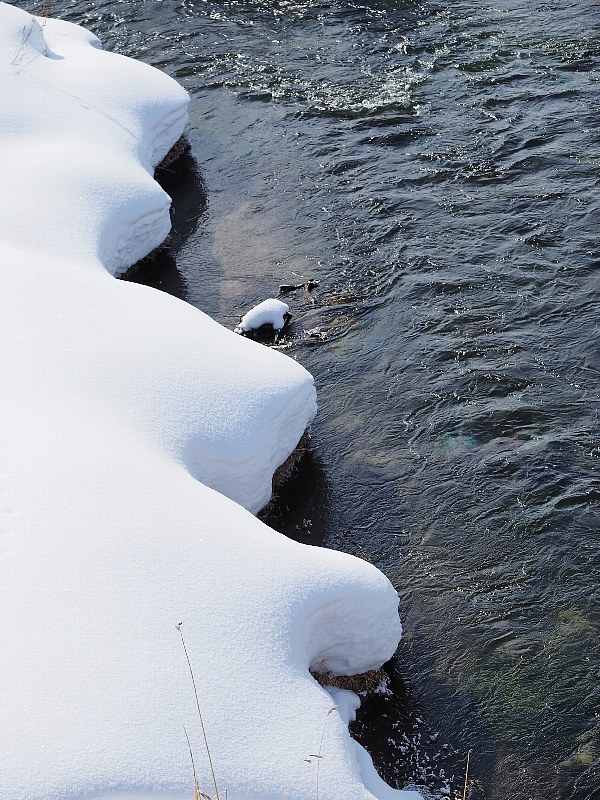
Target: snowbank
<point>123,411</point>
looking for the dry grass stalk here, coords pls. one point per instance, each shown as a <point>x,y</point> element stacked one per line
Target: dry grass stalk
<point>196,784</point>
<point>43,10</point>
<point>284,794</point>
<point>309,760</point>
<point>319,756</point>
<point>367,681</point>
<point>197,790</point>
<point>467,774</point>
<point>27,31</point>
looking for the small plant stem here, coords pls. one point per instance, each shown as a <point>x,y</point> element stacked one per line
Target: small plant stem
<point>212,771</point>
<point>26,34</point>
<point>320,754</point>
<point>196,785</point>
<point>289,786</point>
<point>467,774</point>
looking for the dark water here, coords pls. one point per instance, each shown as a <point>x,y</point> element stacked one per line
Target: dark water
<point>435,165</point>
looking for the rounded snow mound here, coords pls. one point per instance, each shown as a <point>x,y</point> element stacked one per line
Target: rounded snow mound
<point>270,312</point>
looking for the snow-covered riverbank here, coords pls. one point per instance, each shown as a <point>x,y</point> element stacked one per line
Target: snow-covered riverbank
<point>138,437</point>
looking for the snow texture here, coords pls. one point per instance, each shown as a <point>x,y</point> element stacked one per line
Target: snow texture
<point>269,312</point>
<point>138,435</point>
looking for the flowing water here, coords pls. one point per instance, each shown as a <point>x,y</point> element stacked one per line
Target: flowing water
<point>435,166</point>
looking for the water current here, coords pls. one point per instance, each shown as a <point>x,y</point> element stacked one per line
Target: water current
<point>435,166</point>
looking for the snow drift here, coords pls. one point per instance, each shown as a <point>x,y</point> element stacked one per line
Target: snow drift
<point>136,434</point>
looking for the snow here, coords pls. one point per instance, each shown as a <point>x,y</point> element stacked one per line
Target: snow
<point>269,312</point>
<point>138,436</point>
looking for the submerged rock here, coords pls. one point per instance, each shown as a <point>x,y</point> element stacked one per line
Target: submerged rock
<point>309,285</point>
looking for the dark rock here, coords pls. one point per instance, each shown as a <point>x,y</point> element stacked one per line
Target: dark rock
<point>266,334</point>
<point>308,286</point>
